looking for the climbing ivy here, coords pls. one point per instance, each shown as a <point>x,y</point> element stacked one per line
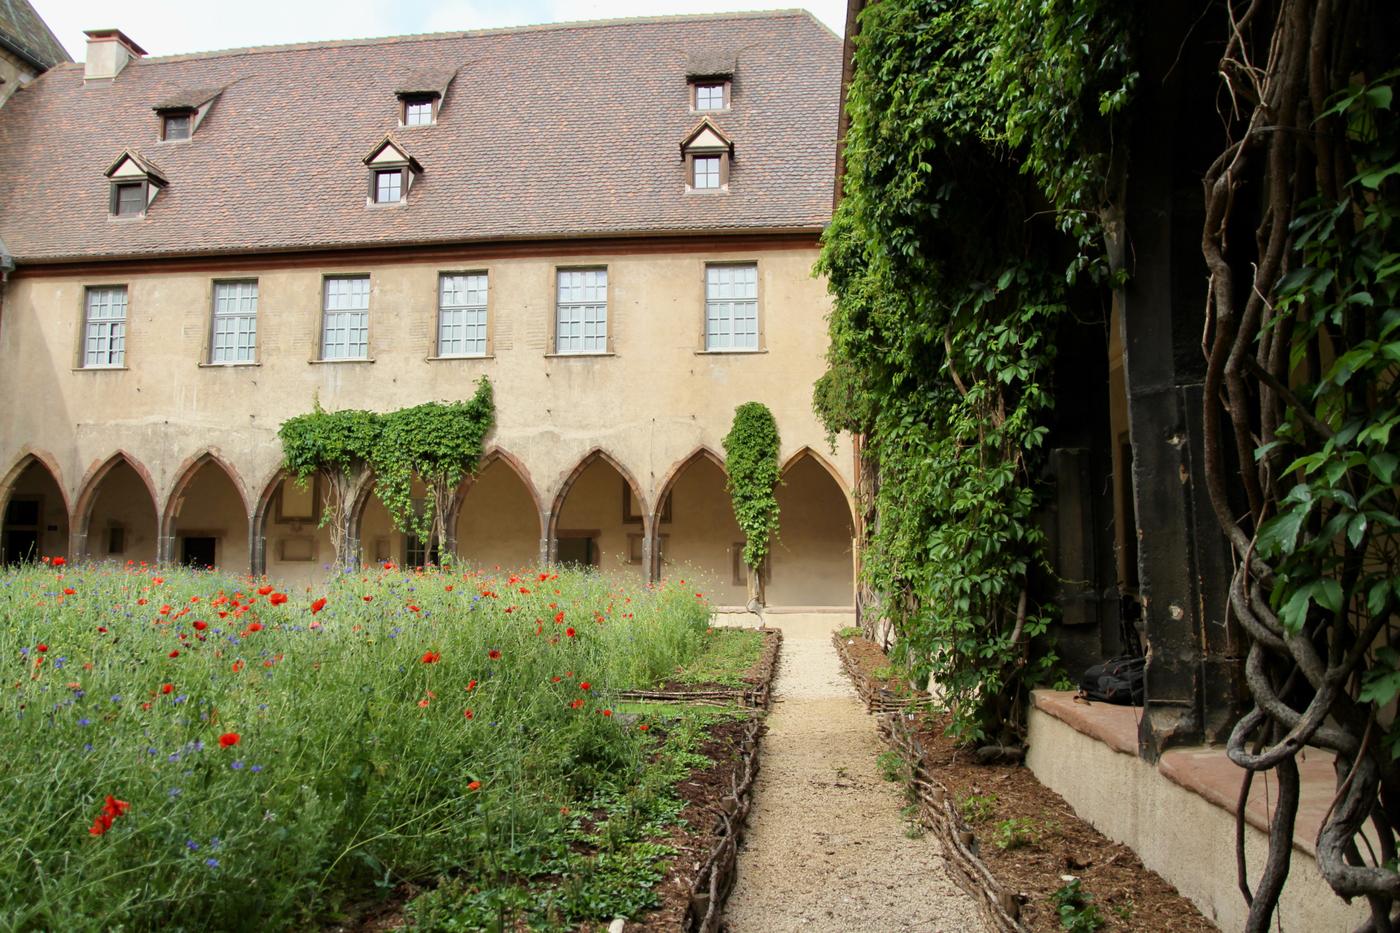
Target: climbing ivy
<point>979,171</point>
<point>751,459</point>
<point>439,443</point>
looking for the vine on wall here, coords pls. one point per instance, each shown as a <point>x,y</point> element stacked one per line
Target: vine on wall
<point>980,168</point>
<point>439,443</point>
<point>751,460</point>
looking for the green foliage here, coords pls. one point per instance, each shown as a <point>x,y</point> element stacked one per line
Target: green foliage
<point>951,278</point>
<point>1016,832</point>
<point>353,767</point>
<point>892,765</point>
<point>728,655</point>
<point>1075,907</point>
<point>976,808</point>
<point>439,443</point>
<point>333,441</point>
<point>751,459</point>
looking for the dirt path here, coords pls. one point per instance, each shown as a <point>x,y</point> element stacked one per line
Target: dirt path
<point>826,849</point>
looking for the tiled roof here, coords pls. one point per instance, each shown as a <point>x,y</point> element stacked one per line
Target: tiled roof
<point>28,35</point>
<point>550,131</point>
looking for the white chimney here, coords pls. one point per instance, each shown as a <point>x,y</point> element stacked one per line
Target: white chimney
<point>108,51</point>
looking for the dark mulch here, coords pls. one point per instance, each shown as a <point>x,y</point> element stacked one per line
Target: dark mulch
<point>1128,895</point>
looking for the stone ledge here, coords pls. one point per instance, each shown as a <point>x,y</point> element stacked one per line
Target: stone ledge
<point>1115,726</point>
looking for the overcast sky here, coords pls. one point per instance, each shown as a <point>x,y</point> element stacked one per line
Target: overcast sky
<point>169,27</point>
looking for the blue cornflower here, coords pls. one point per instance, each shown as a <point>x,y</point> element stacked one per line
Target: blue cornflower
<point>212,862</point>
<point>237,766</point>
<point>256,769</point>
<point>174,757</point>
<point>84,722</point>
<point>191,844</point>
<point>174,792</point>
<point>87,747</point>
<point>116,698</point>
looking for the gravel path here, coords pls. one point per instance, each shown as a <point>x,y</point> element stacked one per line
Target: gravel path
<point>825,848</point>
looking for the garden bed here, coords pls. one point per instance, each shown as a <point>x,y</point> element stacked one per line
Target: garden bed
<point>1010,841</point>
<point>735,667</point>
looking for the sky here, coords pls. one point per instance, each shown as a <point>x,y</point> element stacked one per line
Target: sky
<point>171,27</point>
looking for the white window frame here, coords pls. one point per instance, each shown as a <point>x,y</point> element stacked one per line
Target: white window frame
<point>398,189</point>
<point>345,311</point>
<point>233,338</point>
<point>462,314</point>
<point>104,332</point>
<point>581,311</point>
<point>731,307</point>
<point>713,179</point>
<point>711,86</point>
<point>419,105</point>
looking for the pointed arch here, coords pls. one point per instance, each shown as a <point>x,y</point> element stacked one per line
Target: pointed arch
<point>188,469</point>
<point>505,524</point>
<point>702,536</point>
<point>35,539</point>
<point>703,452</point>
<point>91,486</point>
<point>599,455</point>
<point>517,466</point>
<point>829,467</point>
<point>26,458</point>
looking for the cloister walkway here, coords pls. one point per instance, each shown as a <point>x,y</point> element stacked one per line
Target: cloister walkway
<point>826,848</point>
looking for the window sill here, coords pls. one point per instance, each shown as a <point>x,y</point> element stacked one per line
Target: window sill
<point>574,356</point>
<point>465,356</point>
<point>125,218</point>
<point>348,359</point>
<point>702,192</point>
<point>385,205</point>
<point>228,365</point>
<point>100,369</point>
<point>755,352</point>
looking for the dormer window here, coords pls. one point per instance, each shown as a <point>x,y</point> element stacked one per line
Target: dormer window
<point>711,95</point>
<point>135,182</point>
<point>175,125</point>
<point>419,110</point>
<point>707,153</point>
<point>392,172</point>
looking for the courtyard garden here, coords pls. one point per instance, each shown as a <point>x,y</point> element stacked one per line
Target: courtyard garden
<point>192,750</point>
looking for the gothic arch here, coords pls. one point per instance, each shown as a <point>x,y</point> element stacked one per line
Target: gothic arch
<point>92,485</point>
<point>596,455</point>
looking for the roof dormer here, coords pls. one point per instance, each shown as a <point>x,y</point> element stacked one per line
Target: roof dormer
<point>182,113</point>
<point>392,172</point>
<point>707,153</point>
<point>711,79</point>
<point>135,182</point>
<point>421,95</point>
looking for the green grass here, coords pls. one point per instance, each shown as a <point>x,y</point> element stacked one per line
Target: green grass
<point>726,657</point>
<point>356,766</point>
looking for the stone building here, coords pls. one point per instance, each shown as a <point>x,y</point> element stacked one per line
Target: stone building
<point>616,222</point>
<point>28,48</point>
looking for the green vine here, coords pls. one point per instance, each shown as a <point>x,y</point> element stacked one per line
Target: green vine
<point>438,443</point>
<point>951,278</point>
<point>751,459</point>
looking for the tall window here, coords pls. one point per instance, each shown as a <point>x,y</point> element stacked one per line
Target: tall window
<point>582,324</point>
<point>462,315</point>
<point>706,172</point>
<point>345,335</point>
<point>235,322</point>
<point>731,307</point>
<point>104,333</point>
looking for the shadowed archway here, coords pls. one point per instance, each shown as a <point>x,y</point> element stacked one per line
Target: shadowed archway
<point>812,561</point>
<point>600,518</point>
<point>696,534</point>
<point>497,519</point>
<point>206,523</point>
<point>34,520</point>
<point>116,515</point>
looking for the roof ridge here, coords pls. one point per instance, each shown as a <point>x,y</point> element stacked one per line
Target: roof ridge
<point>472,33</point>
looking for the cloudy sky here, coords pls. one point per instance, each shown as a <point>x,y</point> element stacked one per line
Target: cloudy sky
<point>168,27</point>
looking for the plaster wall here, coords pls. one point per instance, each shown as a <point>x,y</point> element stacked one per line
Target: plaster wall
<point>123,500</point>
<point>1183,837</point>
<point>212,507</point>
<point>499,524</point>
<point>594,504</point>
<point>812,559</point>
<point>701,535</point>
<point>15,72</point>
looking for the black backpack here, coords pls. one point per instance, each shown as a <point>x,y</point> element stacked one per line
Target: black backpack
<point>1119,680</point>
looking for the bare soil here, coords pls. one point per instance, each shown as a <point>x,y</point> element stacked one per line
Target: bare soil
<point>1128,895</point>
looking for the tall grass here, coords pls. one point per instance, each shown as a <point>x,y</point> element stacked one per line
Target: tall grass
<point>414,724</point>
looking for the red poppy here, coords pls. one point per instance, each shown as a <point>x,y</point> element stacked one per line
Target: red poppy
<point>367,598</point>
<point>575,704</point>
<point>229,739</point>
<point>555,679</point>
<point>264,590</point>
<point>584,685</point>
<point>255,626</point>
<point>569,631</point>
<point>100,824</point>
<point>68,591</point>
<point>559,616</point>
<point>644,727</point>
<point>412,608</point>
<point>238,665</point>
<point>167,688</point>
<point>200,625</point>
<point>318,605</point>
<point>388,565</point>
<point>471,685</point>
<point>493,654</point>
<point>474,786</point>
<point>59,561</point>
<point>114,807</point>
<point>102,629</point>
<point>430,657</point>
<point>277,599</point>
<point>165,610</point>
<point>448,588</point>
<point>175,653</point>
<point>423,702</point>
<point>158,580</point>
<point>607,712</point>
<point>41,647</point>
<point>469,714</point>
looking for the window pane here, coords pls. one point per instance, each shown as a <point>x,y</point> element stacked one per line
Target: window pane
<point>104,338</point>
<point>462,315</point>
<point>346,327</point>
<point>131,199</point>
<point>731,307</point>
<point>418,113</point>
<point>177,127</point>
<point>235,322</point>
<point>706,172</point>
<point>388,186</point>
<point>582,322</point>
<point>709,97</point>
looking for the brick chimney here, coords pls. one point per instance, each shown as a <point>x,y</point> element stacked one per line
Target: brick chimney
<point>108,51</point>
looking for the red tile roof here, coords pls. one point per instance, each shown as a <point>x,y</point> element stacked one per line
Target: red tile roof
<point>550,131</point>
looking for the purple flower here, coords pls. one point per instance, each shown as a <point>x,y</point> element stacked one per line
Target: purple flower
<point>237,766</point>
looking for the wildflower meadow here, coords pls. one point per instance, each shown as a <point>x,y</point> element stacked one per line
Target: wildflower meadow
<point>187,750</point>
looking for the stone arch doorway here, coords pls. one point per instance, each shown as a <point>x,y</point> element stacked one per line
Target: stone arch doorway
<point>812,560</point>
<point>206,522</point>
<point>33,512</point>
<point>117,513</point>
<point>289,544</point>
<point>697,537</point>
<point>600,519</point>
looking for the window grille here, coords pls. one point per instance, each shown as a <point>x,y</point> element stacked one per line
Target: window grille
<point>345,334</point>
<point>731,307</point>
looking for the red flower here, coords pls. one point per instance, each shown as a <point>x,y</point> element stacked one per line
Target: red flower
<point>423,702</point>
<point>388,565</point>
<point>607,712</point>
<point>68,591</point>
<point>584,685</point>
<point>569,631</point>
<point>114,807</point>
<point>238,665</point>
<point>559,616</point>
<point>166,688</point>
<point>255,626</point>
<point>412,608</point>
<point>100,824</point>
<point>41,647</point>
<point>175,653</point>
<point>575,704</point>
<point>277,599</point>
<point>59,561</point>
<point>229,739</point>
<point>471,685</point>
<point>469,714</point>
<point>494,654</point>
<point>367,598</point>
<point>102,629</point>
<point>264,590</point>
<point>200,625</point>
<point>165,610</point>
<point>318,605</point>
<point>644,727</point>
<point>157,580</point>
<point>430,657</point>
<point>474,786</point>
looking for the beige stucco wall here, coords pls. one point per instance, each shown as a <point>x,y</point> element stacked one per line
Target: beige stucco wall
<point>499,523</point>
<point>1183,837</point>
<point>123,500</point>
<point>649,406</point>
<point>812,558</point>
<point>701,535</point>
